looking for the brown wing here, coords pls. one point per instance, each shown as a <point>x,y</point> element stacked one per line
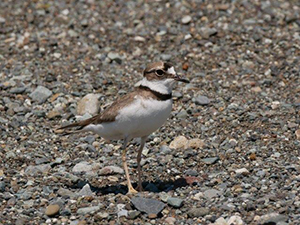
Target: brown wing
<point>108,115</point>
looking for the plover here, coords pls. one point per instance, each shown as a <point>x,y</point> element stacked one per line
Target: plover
<point>136,114</point>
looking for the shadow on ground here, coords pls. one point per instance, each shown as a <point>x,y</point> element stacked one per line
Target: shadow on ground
<point>157,186</point>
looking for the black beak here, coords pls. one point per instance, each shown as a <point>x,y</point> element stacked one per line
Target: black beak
<point>181,79</point>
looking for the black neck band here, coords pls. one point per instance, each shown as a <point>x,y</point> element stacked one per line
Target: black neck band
<point>160,96</point>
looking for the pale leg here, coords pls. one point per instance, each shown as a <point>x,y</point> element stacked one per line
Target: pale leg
<point>139,157</point>
<point>131,190</point>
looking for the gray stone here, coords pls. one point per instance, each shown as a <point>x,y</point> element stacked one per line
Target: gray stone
<point>88,210</point>
<point>206,32</point>
<point>191,172</point>
<point>210,161</point>
<point>164,149</point>
<point>82,167</point>
<point>202,100</point>
<point>113,56</point>
<point>273,218</point>
<point>186,19</point>
<point>103,215</point>
<point>108,170</point>
<point>17,90</point>
<point>2,186</point>
<point>65,192</point>
<point>34,170</point>
<point>175,202</point>
<point>85,191</point>
<point>147,205</point>
<point>40,94</point>
<point>198,212</point>
<point>211,193</point>
<point>132,214</point>
<point>165,57</point>
<point>88,104</point>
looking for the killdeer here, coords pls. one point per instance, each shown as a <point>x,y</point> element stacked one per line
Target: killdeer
<point>136,114</point>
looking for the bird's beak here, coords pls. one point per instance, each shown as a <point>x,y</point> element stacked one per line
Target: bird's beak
<point>180,78</point>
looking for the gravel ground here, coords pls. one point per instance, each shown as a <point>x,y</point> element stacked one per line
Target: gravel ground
<point>229,153</point>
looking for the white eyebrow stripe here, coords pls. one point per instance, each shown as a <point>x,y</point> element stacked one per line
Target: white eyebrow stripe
<point>171,70</point>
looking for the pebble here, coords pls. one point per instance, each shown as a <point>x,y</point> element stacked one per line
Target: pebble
<point>170,220</point>
<point>34,170</point>
<point>82,167</point>
<point>40,94</point>
<point>88,104</point>
<point>103,215</point>
<point>147,205</point>
<point>297,132</point>
<point>273,218</point>
<point>88,210</point>
<point>175,202</point>
<point>52,210</point>
<point>109,170</point>
<point>211,193</point>
<point>242,171</point>
<point>198,212</point>
<point>207,32</point>
<point>186,19</point>
<point>179,142</point>
<point>133,214</point>
<point>85,191</point>
<point>202,100</point>
<point>210,161</point>
<point>196,143</point>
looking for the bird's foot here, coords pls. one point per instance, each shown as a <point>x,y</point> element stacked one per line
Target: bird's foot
<point>131,190</point>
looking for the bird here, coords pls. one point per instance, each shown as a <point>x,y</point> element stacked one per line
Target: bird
<point>136,114</point>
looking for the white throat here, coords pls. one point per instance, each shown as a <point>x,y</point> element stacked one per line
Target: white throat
<point>161,86</point>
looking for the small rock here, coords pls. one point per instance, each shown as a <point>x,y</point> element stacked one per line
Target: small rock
<point>211,193</point>
<point>256,89</point>
<point>210,161</point>
<point>52,114</point>
<point>236,220</point>
<point>103,215</point>
<point>207,32</point>
<point>109,170</point>
<point>147,205</point>
<point>87,210</point>
<point>113,56</point>
<point>198,212</point>
<point>133,214</point>
<point>52,210</point>
<point>164,149</point>
<point>175,202</point>
<point>243,171</point>
<point>179,142</point>
<point>88,104</point>
<point>85,191</point>
<point>82,167</point>
<point>165,57</point>
<point>202,100</point>
<point>17,90</point>
<point>186,19</point>
<point>40,94</point>
<point>195,143</point>
<point>170,220</point>
<point>273,218</point>
<point>34,170</point>
<point>297,132</point>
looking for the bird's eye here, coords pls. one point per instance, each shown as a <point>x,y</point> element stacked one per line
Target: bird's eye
<point>159,72</point>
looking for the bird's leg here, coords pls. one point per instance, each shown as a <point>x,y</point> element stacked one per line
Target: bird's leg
<point>139,157</point>
<point>131,190</point>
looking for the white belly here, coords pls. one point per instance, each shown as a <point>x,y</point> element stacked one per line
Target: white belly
<point>139,119</point>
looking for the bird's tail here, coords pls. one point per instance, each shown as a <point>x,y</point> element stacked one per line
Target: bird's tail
<point>80,125</point>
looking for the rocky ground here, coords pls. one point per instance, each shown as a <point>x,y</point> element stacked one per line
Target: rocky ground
<point>229,154</point>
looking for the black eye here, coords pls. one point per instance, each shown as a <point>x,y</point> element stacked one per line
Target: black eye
<point>159,72</point>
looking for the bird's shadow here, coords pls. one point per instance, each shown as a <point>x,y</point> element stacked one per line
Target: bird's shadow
<point>156,186</point>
